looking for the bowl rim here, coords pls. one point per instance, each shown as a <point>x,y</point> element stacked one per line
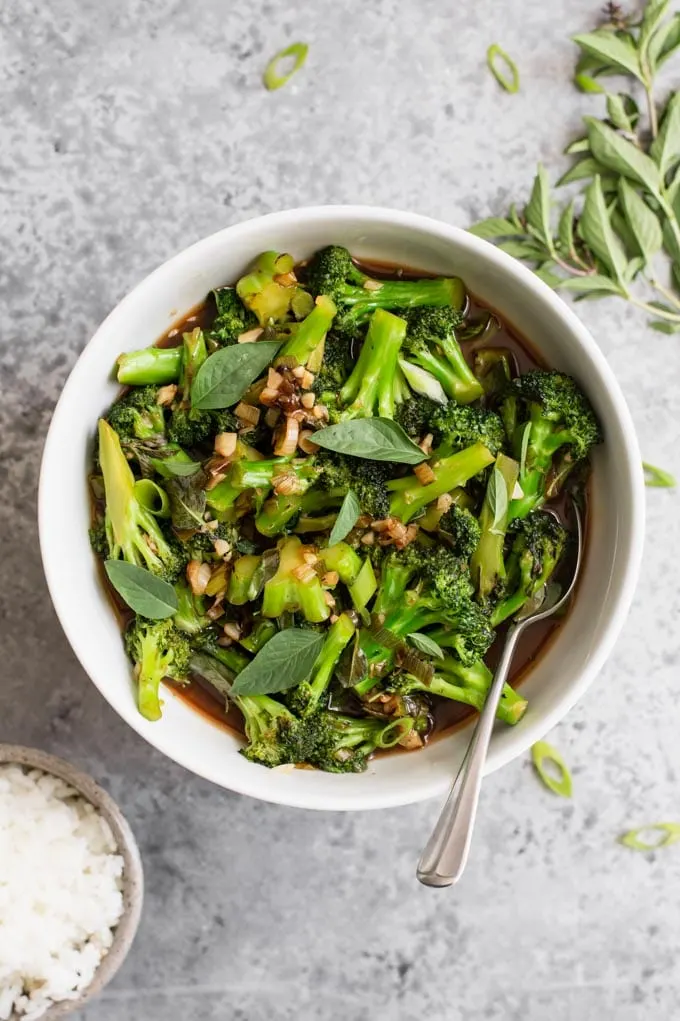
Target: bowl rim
<point>532,730</point>
<point>126,844</point>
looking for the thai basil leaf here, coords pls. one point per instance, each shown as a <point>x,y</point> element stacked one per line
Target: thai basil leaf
<point>187,503</point>
<point>592,284</point>
<point>581,171</point>
<point>565,230</point>
<point>578,146</point>
<point>617,113</point>
<point>377,439</point>
<point>611,51</point>
<point>495,227</point>
<point>666,146</point>
<point>596,230</point>
<point>665,41</point>
<point>173,467</point>
<point>346,520</point>
<point>497,495</point>
<point>618,154</point>
<point>226,375</point>
<point>143,592</point>
<point>663,326</point>
<point>523,249</point>
<point>538,209</point>
<point>286,660</point>
<point>426,645</point>
<point>643,223</point>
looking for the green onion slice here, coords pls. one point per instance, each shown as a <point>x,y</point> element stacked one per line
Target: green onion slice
<point>542,755</point>
<point>494,56</point>
<point>657,477</point>
<point>297,52</point>
<point>666,833</point>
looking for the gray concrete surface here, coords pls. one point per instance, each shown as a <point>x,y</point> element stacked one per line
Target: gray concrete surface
<point>128,130</point>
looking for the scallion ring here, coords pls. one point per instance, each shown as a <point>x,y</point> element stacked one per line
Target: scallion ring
<point>667,832</point>
<point>543,754</point>
<point>494,55</point>
<point>658,478</point>
<point>297,52</point>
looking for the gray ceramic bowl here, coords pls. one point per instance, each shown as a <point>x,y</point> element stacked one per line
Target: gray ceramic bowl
<point>133,877</point>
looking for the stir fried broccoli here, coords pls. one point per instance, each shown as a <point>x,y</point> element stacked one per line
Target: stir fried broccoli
<point>393,559</point>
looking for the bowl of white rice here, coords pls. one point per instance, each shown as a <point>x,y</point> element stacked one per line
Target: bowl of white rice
<point>71,886</point>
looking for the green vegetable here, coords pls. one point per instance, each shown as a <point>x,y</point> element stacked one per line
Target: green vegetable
<point>377,439</point>
<point>666,834</point>
<point>155,365</point>
<point>658,477</point>
<point>546,758</point>
<point>142,591</point>
<point>272,77</point>
<point>350,510</point>
<point>426,644</point>
<point>286,660</point>
<point>606,241</point>
<point>494,54</point>
<point>226,375</point>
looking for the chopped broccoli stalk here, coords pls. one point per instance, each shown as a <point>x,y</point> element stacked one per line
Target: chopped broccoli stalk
<point>431,342</point>
<point>332,272</point>
<point>232,317</point>
<point>469,685</point>
<point>158,650</point>
<point>280,514</point>
<point>137,415</point>
<point>246,580</point>
<point>306,524</point>
<point>449,473</point>
<point>195,353</point>
<point>493,370</point>
<point>295,586</point>
<point>487,564</point>
<point>537,549</point>
<point>364,586</point>
<point>550,420</point>
<point>260,634</point>
<point>342,559</point>
<point>370,387</point>
<point>268,288</point>
<point>310,694</point>
<point>133,532</point>
<point>190,617</point>
<point>150,365</point>
<point>308,334</point>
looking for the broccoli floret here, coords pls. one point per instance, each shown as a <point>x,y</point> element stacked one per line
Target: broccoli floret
<point>457,426</point>
<point>538,546</point>
<point>295,586</point>
<point>158,650</point>
<point>232,318</point>
<point>99,540</point>
<point>336,366</point>
<point>269,287</point>
<point>464,529</point>
<point>190,616</point>
<point>370,388</point>
<point>332,272</point>
<point>344,744</point>
<point>467,684</point>
<point>136,415</point>
<point>134,534</point>
<point>415,416</point>
<point>410,496</point>
<point>431,342</point>
<point>190,427</point>
<point>552,427</point>
<point>367,480</point>
<point>201,545</point>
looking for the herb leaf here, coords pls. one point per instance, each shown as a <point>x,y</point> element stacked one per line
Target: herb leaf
<point>658,478</point>
<point>187,503</point>
<point>542,753</point>
<point>286,660</point>
<point>346,519</point>
<point>171,466</point>
<point>377,439</point>
<point>226,375</point>
<point>497,495</point>
<point>538,208</point>
<point>496,227</point>
<point>618,154</point>
<point>611,50</point>
<point>667,833</point>
<point>643,223</point>
<point>426,644</point>
<point>581,171</point>
<point>591,284</point>
<point>143,592</point>
<point>596,230</point>
<point>666,146</point>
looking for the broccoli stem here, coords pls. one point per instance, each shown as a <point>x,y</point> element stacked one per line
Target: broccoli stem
<point>438,292</point>
<point>279,511</point>
<point>467,387</point>
<point>245,580</point>
<point>308,523</point>
<point>295,586</point>
<point>195,353</point>
<point>310,332</point>
<point>343,559</point>
<point>371,383</point>
<point>450,473</point>
<point>476,681</point>
<point>487,565</point>
<point>154,365</point>
<point>337,638</point>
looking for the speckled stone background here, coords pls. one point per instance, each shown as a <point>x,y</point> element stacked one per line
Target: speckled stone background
<point>130,128</point>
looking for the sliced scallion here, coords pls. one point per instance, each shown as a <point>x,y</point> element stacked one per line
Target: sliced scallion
<point>495,56</point>
<point>667,833</point>
<point>544,756</point>
<point>658,478</point>
<point>272,78</point>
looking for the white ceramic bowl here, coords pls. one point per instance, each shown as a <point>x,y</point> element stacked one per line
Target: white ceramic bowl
<point>616,533</point>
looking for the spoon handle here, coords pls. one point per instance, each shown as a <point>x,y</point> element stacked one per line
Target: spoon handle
<point>444,858</point>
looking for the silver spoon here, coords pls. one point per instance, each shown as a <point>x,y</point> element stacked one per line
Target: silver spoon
<point>445,856</point>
